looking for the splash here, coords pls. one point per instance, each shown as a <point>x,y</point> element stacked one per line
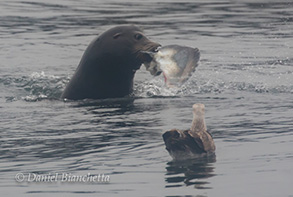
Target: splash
<point>263,78</point>
<point>35,87</point>
<point>154,88</point>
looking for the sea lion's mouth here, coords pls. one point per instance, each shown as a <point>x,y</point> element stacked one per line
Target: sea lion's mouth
<point>153,68</point>
<point>145,54</point>
<point>156,49</point>
<point>150,62</point>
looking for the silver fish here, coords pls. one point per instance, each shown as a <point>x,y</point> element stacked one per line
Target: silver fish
<point>176,62</point>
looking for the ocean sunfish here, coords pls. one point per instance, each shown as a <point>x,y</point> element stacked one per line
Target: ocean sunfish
<point>176,62</point>
<point>196,141</point>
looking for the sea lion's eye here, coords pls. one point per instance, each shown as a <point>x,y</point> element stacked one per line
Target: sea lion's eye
<point>138,36</point>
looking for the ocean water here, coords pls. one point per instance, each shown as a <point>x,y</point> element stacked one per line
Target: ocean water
<point>245,80</point>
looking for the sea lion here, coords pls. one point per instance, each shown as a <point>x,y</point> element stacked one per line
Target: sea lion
<point>109,63</point>
<point>193,142</point>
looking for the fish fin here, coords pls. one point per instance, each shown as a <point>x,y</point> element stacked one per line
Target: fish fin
<point>191,64</point>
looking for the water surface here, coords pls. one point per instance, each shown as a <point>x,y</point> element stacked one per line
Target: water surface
<point>245,80</point>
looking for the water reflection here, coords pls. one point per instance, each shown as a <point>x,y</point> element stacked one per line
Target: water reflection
<point>92,126</point>
<point>190,172</point>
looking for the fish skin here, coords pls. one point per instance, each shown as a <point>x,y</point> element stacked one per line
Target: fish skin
<point>176,62</point>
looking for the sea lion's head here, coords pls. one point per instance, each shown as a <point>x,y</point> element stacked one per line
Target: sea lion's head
<point>127,45</point>
<point>109,63</point>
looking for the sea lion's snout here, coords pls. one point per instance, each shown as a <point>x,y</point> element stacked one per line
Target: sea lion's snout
<point>145,53</point>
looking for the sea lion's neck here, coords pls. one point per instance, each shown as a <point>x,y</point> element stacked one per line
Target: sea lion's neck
<point>198,124</point>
